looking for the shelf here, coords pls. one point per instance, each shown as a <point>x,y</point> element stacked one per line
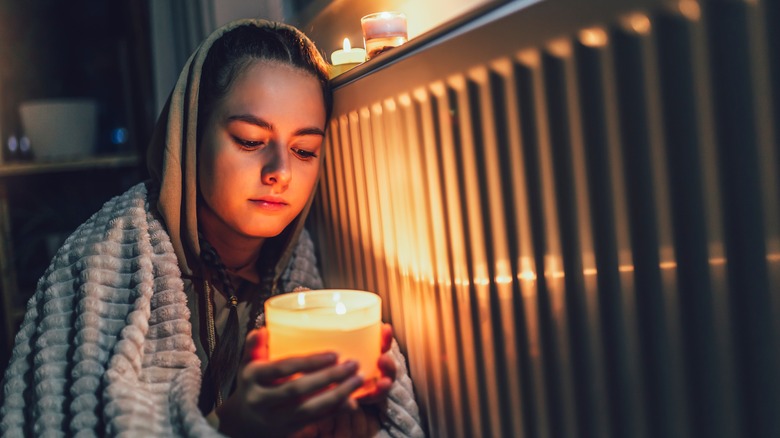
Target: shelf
<point>38,167</point>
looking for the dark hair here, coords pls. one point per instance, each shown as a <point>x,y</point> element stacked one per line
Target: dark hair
<point>239,47</point>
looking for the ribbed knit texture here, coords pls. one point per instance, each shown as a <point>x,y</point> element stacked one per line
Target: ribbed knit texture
<point>106,345</point>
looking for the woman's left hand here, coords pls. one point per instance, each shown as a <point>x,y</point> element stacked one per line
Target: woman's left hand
<point>360,419</point>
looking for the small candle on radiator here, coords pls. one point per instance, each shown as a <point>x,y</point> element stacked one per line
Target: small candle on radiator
<point>346,58</point>
<point>347,322</point>
<point>383,31</point>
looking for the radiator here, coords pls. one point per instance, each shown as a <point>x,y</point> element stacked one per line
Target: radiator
<point>572,213</point>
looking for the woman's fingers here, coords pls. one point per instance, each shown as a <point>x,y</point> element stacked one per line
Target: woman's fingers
<point>326,402</point>
<point>307,385</point>
<point>272,373</point>
<point>256,345</point>
<point>387,337</point>
<point>387,366</point>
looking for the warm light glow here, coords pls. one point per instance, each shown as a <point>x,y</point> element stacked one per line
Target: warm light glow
<point>347,46</point>
<point>638,23</point>
<point>560,48</point>
<point>482,281</point>
<point>527,276</point>
<point>301,299</point>
<point>690,9</point>
<point>529,58</point>
<point>593,37</point>
<point>341,309</point>
<point>503,279</point>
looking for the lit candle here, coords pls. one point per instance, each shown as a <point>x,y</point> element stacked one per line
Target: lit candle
<point>346,58</point>
<point>347,322</point>
<point>383,31</point>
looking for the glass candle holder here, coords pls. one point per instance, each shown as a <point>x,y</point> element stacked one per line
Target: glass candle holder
<point>383,31</point>
<point>347,322</point>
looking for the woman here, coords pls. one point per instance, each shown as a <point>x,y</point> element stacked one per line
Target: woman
<point>138,325</point>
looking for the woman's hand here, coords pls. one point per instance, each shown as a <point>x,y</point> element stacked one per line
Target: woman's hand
<point>269,401</point>
<point>360,420</point>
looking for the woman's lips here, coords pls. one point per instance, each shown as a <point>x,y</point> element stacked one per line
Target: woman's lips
<point>269,203</point>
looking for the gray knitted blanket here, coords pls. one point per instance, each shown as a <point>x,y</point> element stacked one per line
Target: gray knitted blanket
<point>106,348</point>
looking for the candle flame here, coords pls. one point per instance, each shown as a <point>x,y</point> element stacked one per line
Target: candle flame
<point>301,299</point>
<point>341,309</point>
<point>347,46</point>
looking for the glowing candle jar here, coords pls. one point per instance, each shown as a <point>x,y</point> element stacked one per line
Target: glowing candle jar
<point>383,31</point>
<point>346,58</point>
<point>347,322</point>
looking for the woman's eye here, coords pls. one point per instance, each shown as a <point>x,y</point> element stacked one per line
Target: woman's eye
<point>249,144</point>
<point>304,154</point>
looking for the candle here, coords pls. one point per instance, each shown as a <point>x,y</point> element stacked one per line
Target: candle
<point>383,31</point>
<point>346,58</point>
<point>347,322</point>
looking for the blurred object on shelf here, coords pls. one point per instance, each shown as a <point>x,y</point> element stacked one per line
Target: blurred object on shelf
<point>59,128</point>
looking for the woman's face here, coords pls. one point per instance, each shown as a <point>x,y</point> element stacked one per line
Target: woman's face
<point>260,153</point>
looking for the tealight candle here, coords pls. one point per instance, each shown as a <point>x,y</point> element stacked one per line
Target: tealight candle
<point>346,58</point>
<point>383,31</point>
<point>347,322</point>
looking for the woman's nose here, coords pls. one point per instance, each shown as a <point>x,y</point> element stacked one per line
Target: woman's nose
<point>276,170</point>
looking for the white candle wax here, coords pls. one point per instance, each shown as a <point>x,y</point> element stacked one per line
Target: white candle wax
<point>348,54</point>
<point>346,322</point>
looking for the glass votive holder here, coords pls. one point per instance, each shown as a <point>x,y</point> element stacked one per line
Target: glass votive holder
<point>383,31</point>
<point>347,322</point>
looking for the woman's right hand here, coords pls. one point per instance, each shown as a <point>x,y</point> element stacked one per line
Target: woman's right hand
<point>270,402</point>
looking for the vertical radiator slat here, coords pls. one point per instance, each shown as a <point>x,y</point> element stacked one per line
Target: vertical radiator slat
<point>520,131</point>
<point>446,383</point>
<point>419,244</point>
<point>376,231</point>
<point>504,117</point>
<point>356,224</point>
<point>448,109</point>
<point>650,227</point>
<point>363,236</point>
<point>576,243</point>
<point>333,267</point>
<point>388,237</point>
<point>348,265</point>
<point>742,132</point>
<point>614,262</point>
<point>497,306</point>
<point>698,232</point>
<point>478,280</point>
<point>450,251</point>
<point>547,252</point>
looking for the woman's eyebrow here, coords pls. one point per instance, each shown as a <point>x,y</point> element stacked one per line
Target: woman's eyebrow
<point>310,131</point>
<point>248,118</point>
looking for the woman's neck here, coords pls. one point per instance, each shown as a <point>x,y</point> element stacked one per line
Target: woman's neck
<point>238,252</point>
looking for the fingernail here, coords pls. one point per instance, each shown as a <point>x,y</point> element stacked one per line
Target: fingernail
<point>350,366</point>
